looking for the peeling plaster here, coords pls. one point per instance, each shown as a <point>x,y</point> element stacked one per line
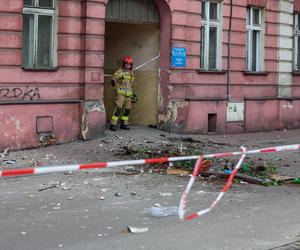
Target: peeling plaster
<point>89,106</point>
<point>17,123</point>
<point>12,128</point>
<point>290,106</point>
<point>95,106</point>
<point>84,125</point>
<point>168,121</point>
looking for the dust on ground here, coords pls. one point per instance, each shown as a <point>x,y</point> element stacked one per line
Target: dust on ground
<point>93,207</point>
<point>143,142</point>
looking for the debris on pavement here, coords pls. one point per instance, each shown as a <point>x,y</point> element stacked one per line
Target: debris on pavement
<point>46,188</point>
<point>296,181</point>
<point>205,166</point>
<point>280,177</point>
<point>64,186</point>
<point>117,194</point>
<point>4,153</point>
<point>292,181</point>
<point>129,168</point>
<point>177,172</point>
<point>136,230</point>
<point>157,211</point>
<point>126,172</point>
<point>119,137</point>
<point>47,139</point>
<point>165,194</point>
<point>246,178</point>
<point>49,157</point>
<point>7,162</point>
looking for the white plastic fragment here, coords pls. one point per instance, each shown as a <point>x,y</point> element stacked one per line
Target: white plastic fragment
<point>162,211</point>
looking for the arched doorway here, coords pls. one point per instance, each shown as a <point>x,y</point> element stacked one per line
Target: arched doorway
<point>134,27</point>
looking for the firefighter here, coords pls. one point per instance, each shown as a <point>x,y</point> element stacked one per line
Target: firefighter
<point>122,82</point>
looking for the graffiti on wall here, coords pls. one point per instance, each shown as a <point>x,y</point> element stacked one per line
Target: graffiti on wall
<point>20,93</point>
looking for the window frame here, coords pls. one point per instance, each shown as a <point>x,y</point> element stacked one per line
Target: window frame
<point>206,24</point>
<point>250,28</point>
<point>296,37</point>
<point>37,11</point>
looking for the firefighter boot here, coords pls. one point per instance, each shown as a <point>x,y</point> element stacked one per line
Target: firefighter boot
<point>113,127</point>
<point>124,119</point>
<point>115,118</point>
<point>124,126</point>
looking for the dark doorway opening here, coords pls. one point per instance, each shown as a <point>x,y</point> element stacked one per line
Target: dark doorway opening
<point>212,123</point>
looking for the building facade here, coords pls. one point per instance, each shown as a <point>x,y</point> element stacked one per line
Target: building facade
<point>239,73</point>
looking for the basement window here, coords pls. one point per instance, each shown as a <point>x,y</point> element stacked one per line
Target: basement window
<point>296,42</point>
<point>254,56</point>
<point>210,58</point>
<point>39,34</point>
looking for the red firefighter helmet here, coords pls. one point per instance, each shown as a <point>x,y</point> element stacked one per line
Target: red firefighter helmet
<point>128,59</point>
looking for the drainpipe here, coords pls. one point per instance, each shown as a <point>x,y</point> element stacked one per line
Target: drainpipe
<point>228,57</point>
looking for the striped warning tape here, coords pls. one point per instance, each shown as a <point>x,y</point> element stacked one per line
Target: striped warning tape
<point>183,201</point>
<point>243,153</point>
<point>99,165</point>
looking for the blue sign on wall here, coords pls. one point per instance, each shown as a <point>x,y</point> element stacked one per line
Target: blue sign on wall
<point>178,57</point>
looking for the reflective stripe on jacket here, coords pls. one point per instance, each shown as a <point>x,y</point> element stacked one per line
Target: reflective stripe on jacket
<point>124,80</point>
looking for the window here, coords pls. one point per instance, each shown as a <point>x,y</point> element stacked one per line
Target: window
<point>254,58</point>
<point>296,43</point>
<point>38,34</point>
<point>210,36</point>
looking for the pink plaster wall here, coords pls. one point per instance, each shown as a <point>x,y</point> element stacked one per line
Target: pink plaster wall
<point>79,75</point>
<point>74,49</point>
<point>81,57</point>
<point>296,5</point>
<point>196,117</point>
<point>267,115</point>
<point>188,84</point>
<point>288,112</point>
<point>261,115</point>
<point>18,123</point>
<point>296,86</point>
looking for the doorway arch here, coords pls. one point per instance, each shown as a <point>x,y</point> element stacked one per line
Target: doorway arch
<point>118,16</point>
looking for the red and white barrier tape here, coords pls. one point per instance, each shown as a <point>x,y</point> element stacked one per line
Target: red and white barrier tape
<point>183,201</point>
<point>243,153</point>
<point>98,165</point>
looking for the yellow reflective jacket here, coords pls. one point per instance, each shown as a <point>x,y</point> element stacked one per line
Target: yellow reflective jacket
<point>124,80</point>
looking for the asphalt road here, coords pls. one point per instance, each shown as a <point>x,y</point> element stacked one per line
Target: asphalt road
<point>71,213</point>
<point>81,210</point>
